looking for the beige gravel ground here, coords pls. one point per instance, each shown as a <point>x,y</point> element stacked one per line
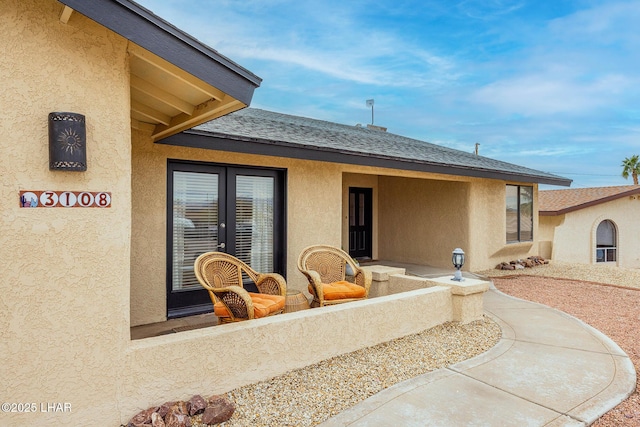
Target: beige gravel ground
<point>612,306</point>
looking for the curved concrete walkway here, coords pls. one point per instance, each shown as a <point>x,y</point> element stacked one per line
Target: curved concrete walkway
<point>549,369</point>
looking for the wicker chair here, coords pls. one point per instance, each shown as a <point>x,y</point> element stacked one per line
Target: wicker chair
<point>221,274</point>
<point>325,268</point>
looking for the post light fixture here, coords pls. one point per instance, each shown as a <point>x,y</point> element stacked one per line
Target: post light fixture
<point>457,257</point>
<point>67,142</point>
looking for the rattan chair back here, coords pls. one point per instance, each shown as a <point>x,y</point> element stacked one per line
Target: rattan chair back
<point>328,261</point>
<point>219,270</point>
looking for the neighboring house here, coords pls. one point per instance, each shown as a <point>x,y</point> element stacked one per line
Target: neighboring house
<point>591,225</point>
<point>75,279</point>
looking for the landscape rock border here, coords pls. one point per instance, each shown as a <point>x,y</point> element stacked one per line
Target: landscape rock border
<point>215,410</point>
<point>520,264</point>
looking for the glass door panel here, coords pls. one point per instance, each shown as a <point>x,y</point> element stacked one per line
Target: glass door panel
<point>254,237</point>
<point>195,224</point>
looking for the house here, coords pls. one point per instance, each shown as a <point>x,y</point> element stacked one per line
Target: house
<point>376,194</point>
<point>100,222</point>
<point>597,225</point>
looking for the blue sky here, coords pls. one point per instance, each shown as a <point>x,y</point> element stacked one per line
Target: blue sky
<point>550,84</point>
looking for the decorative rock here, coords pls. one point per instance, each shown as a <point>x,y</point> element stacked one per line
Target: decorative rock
<point>519,264</point>
<point>219,410</point>
<point>157,421</point>
<point>197,405</point>
<point>142,418</point>
<point>180,407</point>
<point>163,410</point>
<point>178,415</point>
<point>174,419</point>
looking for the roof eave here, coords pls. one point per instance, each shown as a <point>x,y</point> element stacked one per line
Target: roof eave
<point>550,213</point>
<point>239,144</point>
<point>631,192</point>
<point>152,33</point>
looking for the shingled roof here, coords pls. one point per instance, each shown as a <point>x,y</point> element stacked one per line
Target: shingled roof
<point>269,133</point>
<point>558,202</point>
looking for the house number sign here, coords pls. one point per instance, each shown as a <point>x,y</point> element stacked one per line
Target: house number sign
<point>65,199</point>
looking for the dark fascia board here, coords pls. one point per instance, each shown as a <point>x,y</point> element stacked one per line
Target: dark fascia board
<point>591,203</point>
<point>156,35</point>
<point>222,142</point>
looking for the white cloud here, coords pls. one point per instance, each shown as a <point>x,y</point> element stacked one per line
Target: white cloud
<point>544,94</point>
<point>601,24</point>
<point>488,9</point>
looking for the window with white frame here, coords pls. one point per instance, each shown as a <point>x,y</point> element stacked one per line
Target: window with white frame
<point>606,246</point>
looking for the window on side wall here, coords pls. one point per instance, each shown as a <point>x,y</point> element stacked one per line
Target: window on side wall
<point>606,242</point>
<point>519,213</point>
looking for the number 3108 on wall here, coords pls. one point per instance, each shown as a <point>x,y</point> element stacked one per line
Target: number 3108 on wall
<point>65,199</point>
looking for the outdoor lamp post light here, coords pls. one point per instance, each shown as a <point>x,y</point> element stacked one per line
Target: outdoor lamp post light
<point>458,261</point>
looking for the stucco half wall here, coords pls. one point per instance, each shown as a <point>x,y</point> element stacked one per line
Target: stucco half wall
<point>218,359</point>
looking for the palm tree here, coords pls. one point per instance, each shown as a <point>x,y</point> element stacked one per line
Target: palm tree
<point>631,166</point>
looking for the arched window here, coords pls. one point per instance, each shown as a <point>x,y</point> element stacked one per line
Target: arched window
<point>606,242</point>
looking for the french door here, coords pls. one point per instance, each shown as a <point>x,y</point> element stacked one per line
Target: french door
<point>360,222</point>
<point>222,208</point>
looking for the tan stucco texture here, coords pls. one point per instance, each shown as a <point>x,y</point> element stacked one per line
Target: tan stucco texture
<point>64,301</point>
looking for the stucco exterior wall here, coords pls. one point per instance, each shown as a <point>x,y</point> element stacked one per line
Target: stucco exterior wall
<point>487,230</point>
<point>65,271</point>
<point>419,217</point>
<point>314,209</point>
<point>574,240</point>
<point>547,227</point>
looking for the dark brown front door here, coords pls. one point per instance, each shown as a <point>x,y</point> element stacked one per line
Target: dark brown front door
<point>360,222</point>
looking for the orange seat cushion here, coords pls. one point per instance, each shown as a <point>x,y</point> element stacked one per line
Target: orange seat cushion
<point>263,305</point>
<point>341,290</point>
